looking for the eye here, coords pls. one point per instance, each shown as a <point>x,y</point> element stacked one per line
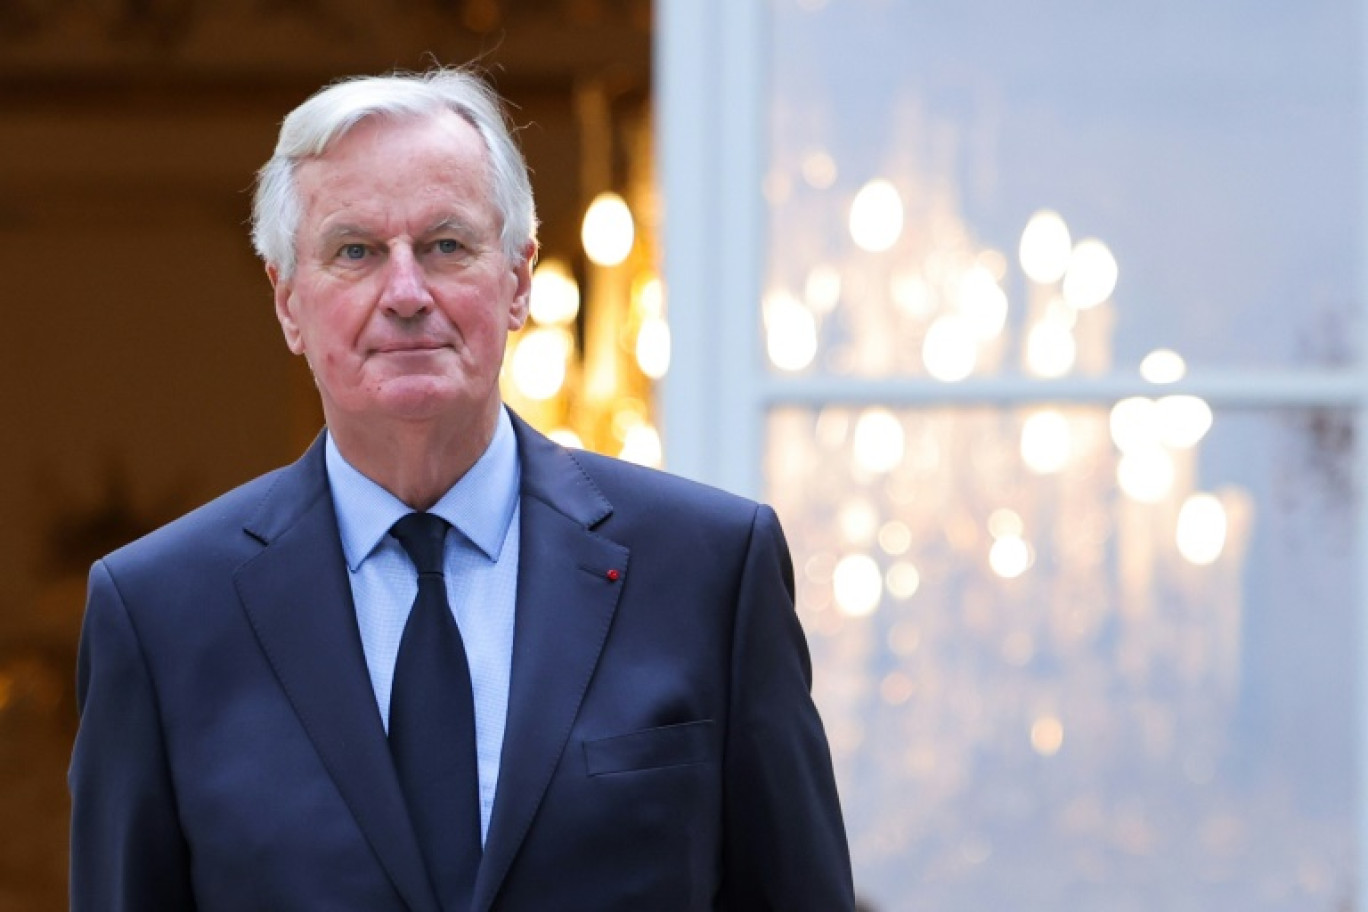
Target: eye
<point>353,251</point>
<point>447,245</point>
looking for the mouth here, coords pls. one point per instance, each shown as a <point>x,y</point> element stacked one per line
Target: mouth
<point>409,348</point>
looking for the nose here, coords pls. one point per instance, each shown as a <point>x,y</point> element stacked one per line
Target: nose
<point>405,293</point>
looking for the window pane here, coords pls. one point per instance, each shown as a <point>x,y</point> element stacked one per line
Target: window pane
<point>1078,657</point>
<point>1201,156</point>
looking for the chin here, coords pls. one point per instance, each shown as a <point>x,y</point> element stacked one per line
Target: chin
<point>424,401</point>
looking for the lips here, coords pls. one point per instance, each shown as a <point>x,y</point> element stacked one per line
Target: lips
<point>405,348</point>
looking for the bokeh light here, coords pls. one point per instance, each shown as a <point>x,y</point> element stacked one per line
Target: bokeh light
<point>1091,277</point>
<point>982,302</point>
<point>1047,735</point>
<point>857,585</point>
<point>911,293</point>
<point>1050,349</point>
<point>539,362</point>
<point>1045,247</point>
<point>555,299</point>
<point>653,347</point>
<point>949,350</point>
<point>1182,420</point>
<point>1134,424</point>
<point>1163,365</point>
<point>1045,442</point>
<point>876,216</point>
<point>1010,556</point>
<point>1146,474</point>
<point>642,446</point>
<point>879,440</point>
<point>790,332</point>
<point>819,169</point>
<point>904,579</point>
<point>1202,525</point>
<point>822,290</point>
<point>608,230</point>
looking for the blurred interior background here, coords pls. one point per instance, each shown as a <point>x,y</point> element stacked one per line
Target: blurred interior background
<point>1040,325</point>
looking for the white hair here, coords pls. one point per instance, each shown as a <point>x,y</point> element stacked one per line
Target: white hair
<point>310,129</point>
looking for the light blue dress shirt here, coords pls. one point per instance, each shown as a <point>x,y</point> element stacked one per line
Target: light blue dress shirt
<point>481,565</point>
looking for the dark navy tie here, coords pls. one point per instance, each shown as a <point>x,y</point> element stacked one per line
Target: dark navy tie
<point>432,723</point>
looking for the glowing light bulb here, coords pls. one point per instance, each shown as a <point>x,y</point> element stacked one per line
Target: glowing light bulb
<point>1182,420</point>
<point>555,298</point>
<point>539,362</point>
<point>1050,349</point>
<point>903,579</point>
<point>911,293</point>
<point>1202,528</point>
<point>1146,474</point>
<point>1010,557</point>
<point>1045,247</point>
<point>822,290</point>
<point>566,438</point>
<point>1092,274</point>
<point>858,522</point>
<point>819,169</point>
<point>1045,442</point>
<point>1134,424</point>
<point>982,302</point>
<point>876,216</point>
<point>642,446</point>
<point>608,231</point>
<point>895,537</point>
<point>790,332</point>
<point>1047,735</point>
<point>949,350</point>
<point>1005,523</point>
<point>1163,365</point>
<point>653,347</point>
<point>650,297</point>
<point>857,585</point>
<point>879,441</point>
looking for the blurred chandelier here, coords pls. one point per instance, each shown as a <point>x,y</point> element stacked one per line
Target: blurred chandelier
<point>1012,609</point>
<point>584,374</point>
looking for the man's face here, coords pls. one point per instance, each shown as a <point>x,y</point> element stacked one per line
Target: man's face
<point>402,297</point>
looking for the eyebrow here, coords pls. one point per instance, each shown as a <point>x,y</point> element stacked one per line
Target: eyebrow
<point>351,230</point>
<point>339,232</point>
<point>449,223</point>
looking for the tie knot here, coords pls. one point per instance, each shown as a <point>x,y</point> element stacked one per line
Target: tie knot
<point>422,535</point>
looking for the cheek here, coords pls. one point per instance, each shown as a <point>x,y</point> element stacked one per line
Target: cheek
<point>332,330</point>
<point>476,318</point>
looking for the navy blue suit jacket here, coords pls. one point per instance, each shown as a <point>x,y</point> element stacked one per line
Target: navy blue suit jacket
<point>661,753</point>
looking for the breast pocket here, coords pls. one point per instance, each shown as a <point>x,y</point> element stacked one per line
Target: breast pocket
<point>654,748</point>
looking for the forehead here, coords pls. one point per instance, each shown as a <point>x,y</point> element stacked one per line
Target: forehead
<point>387,167</point>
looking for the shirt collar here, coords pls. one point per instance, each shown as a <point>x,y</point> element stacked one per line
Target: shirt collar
<point>480,506</point>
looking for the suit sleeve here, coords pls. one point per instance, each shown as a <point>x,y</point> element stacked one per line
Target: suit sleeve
<point>785,840</point>
<point>127,851</point>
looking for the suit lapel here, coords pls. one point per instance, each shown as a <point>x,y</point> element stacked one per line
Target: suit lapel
<point>298,599</point>
<point>565,605</point>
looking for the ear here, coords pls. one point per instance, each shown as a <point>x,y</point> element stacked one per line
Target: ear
<point>284,307</point>
<point>522,290</point>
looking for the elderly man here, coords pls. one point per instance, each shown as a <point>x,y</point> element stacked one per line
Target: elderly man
<point>441,663</point>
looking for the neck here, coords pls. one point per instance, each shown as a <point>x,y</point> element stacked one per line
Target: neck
<point>416,461</point>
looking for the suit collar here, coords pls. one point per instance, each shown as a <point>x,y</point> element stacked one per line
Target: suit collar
<point>566,602</point>
<point>298,599</point>
<point>552,475</point>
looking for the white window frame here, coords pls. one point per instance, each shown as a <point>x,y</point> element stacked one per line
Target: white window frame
<point>712,123</point>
